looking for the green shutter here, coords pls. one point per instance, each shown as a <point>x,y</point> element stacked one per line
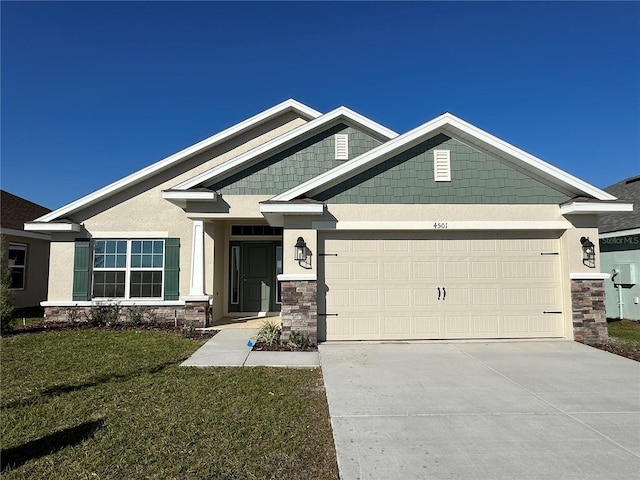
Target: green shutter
<point>171,268</point>
<point>81,259</point>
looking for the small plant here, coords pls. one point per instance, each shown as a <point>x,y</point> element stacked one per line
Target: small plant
<point>269,332</point>
<point>6,295</point>
<point>298,341</point>
<point>103,315</point>
<point>134,315</point>
<point>74,314</point>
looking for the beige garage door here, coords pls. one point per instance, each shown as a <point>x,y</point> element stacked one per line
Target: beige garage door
<point>395,286</point>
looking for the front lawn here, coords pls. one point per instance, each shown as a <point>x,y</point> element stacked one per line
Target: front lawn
<point>95,404</point>
<point>624,332</point>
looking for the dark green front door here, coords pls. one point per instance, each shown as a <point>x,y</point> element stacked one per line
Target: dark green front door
<point>258,278</point>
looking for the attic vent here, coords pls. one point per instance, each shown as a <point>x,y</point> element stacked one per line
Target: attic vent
<point>442,165</point>
<point>342,146</point>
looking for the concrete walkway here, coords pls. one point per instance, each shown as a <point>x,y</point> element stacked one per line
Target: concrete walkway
<point>504,410</point>
<point>229,348</point>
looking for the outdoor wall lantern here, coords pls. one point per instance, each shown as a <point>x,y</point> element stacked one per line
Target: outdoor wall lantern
<point>588,252</point>
<point>301,250</point>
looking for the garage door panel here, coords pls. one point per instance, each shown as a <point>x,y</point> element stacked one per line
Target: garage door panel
<point>382,287</point>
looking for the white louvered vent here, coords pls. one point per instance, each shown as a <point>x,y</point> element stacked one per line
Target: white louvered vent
<point>342,146</point>
<point>442,165</point>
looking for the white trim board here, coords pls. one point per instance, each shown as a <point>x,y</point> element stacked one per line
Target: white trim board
<point>165,163</point>
<point>620,233</point>
<point>283,141</point>
<point>439,225</point>
<point>457,128</point>
<point>594,207</point>
<point>23,234</point>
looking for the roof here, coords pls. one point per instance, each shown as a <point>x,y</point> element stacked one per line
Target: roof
<point>453,126</point>
<point>176,158</point>
<point>16,211</point>
<point>626,190</point>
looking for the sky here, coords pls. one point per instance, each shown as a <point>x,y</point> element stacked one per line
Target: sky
<point>94,91</point>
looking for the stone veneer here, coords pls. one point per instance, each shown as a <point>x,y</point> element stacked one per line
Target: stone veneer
<point>299,311</point>
<point>192,312</point>
<point>589,317</point>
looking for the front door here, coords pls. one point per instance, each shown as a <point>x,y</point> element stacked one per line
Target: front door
<point>257,276</point>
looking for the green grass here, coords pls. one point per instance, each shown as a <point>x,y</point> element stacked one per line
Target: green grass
<point>625,332</point>
<point>92,404</point>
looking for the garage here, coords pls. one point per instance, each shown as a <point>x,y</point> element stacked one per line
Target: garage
<point>440,285</point>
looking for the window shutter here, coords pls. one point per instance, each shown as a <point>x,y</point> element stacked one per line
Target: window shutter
<point>342,146</point>
<point>81,260</point>
<point>442,165</point>
<point>171,268</point>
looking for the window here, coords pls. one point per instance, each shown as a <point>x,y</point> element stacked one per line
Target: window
<point>442,165</point>
<point>342,146</point>
<point>17,265</point>
<point>235,275</point>
<point>256,230</point>
<point>278,272</point>
<point>128,268</point>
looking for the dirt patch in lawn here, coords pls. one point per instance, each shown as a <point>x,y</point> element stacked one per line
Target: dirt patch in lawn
<point>619,349</point>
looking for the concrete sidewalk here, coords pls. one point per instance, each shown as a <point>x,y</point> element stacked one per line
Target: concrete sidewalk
<point>229,348</point>
<point>495,411</point>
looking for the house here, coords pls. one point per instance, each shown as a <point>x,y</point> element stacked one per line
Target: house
<point>27,252</point>
<point>620,252</point>
<point>349,230</point>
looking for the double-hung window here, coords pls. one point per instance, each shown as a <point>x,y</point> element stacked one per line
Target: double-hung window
<point>17,265</point>
<point>128,268</point>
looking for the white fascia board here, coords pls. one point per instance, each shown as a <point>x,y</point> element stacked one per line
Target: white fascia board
<point>589,276</point>
<point>292,208</point>
<point>282,140</point>
<point>594,207</point>
<point>620,233</point>
<point>444,226</point>
<point>22,233</point>
<point>446,122</point>
<point>171,160</point>
<point>296,277</point>
<point>51,227</point>
<point>190,196</point>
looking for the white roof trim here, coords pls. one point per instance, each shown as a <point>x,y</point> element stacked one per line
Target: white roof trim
<point>51,227</point>
<point>594,207</point>
<point>188,152</point>
<point>620,233</point>
<point>189,195</point>
<point>21,233</point>
<point>292,208</point>
<point>291,136</point>
<point>452,125</point>
<point>589,276</point>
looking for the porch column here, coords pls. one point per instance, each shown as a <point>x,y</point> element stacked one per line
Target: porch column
<point>196,283</point>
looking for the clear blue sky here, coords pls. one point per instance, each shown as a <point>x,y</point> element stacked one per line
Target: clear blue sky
<point>94,91</point>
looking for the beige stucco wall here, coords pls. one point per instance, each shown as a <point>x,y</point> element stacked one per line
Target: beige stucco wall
<point>37,270</point>
<point>140,210</point>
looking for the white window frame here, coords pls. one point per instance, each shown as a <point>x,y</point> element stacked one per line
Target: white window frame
<point>128,269</point>
<point>12,266</point>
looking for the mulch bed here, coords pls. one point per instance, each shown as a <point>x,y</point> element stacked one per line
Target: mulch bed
<point>278,347</point>
<point>621,350</point>
<point>182,330</point>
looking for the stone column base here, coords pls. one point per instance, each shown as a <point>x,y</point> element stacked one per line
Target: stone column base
<point>299,311</point>
<point>589,317</point>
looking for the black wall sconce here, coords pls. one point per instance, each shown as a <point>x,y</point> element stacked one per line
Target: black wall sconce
<point>302,253</point>
<point>588,252</point>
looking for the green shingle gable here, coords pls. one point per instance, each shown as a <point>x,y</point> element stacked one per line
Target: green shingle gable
<point>407,178</point>
<point>295,165</point>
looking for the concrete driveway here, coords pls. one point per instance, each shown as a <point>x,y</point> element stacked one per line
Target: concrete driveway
<point>507,410</point>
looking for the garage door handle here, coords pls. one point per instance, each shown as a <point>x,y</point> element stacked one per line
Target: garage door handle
<point>444,293</point>
<point>438,293</point>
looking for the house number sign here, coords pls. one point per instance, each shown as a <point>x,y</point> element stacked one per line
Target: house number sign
<point>440,225</point>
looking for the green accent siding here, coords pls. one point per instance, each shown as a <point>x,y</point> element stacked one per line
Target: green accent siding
<point>296,165</point>
<point>171,268</point>
<point>476,178</point>
<point>81,260</point>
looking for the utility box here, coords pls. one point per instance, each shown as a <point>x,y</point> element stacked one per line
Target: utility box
<point>626,274</point>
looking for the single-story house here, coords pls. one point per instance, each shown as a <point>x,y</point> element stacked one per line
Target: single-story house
<point>27,253</point>
<point>348,229</point>
<point>620,252</point>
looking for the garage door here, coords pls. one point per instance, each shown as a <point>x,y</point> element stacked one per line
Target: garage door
<point>395,286</point>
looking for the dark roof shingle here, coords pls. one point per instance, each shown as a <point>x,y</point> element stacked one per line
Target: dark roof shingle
<point>629,191</point>
<point>14,211</point>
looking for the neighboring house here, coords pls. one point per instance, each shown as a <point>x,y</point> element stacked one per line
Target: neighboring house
<point>27,252</point>
<point>351,231</point>
<point>620,251</point>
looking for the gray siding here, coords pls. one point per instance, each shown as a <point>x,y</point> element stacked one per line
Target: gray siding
<point>476,178</point>
<point>296,165</point>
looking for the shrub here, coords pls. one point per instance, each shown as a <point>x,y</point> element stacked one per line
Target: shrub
<point>6,295</point>
<point>298,341</point>
<point>74,314</point>
<point>103,315</point>
<point>269,332</point>
<point>134,314</point>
